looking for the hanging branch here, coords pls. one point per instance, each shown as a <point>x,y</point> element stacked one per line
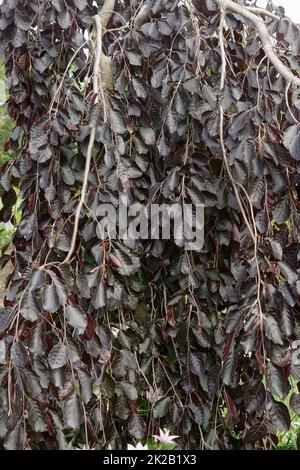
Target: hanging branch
<point>142,16</point>
<point>265,38</point>
<point>262,12</point>
<point>222,84</point>
<point>106,74</point>
<point>253,229</point>
<point>102,79</point>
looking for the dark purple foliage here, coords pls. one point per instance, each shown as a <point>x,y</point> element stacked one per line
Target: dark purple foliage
<point>92,350</point>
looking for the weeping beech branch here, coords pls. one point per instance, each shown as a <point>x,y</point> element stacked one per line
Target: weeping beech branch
<point>262,12</point>
<point>102,79</point>
<point>259,24</point>
<point>105,61</point>
<point>142,16</point>
<point>106,12</point>
<point>252,230</point>
<point>224,155</point>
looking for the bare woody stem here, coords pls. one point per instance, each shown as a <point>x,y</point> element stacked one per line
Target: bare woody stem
<point>142,16</point>
<point>106,74</point>
<point>252,230</point>
<point>96,90</point>
<point>263,12</point>
<point>265,38</point>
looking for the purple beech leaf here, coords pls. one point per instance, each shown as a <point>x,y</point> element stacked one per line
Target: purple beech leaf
<point>81,4</point>
<point>64,19</point>
<point>122,408</point>
<point>291,141</point>
<point>50,298</point>
<point>295,403</point>
<point>73,414</point>
<point>279,415</point>
<point>58,356</point>
<point>256,432</point>
<point>76,318</point>
<point>276,381</point>
<point>30,308</point>
<point>160,409</point>
<point>137,427</point>
<point>6,317</point>
<point>148,135</point>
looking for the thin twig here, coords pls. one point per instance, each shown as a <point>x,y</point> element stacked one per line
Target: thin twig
<point>253,231</point>
<point>288,104</point>
<point>62,80</point>
<point>222,83</point>
<point>96,72</point>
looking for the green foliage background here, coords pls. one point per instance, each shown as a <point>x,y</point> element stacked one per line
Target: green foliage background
<point>5,122</point>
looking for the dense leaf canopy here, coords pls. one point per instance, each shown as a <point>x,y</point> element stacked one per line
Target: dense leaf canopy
<point>92,350</point>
